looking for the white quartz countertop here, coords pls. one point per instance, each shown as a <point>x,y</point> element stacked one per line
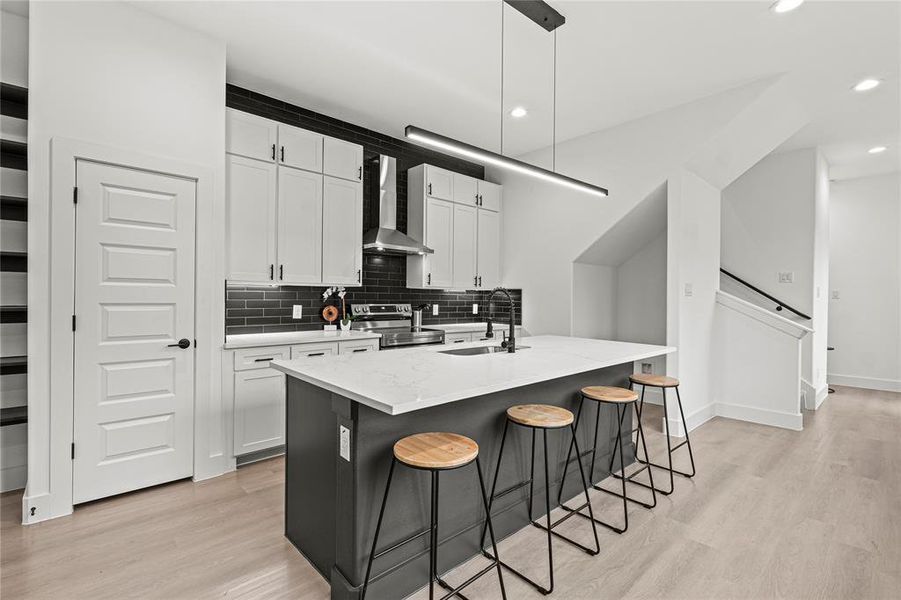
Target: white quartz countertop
<point>401,381</point>
<point>251,340</point>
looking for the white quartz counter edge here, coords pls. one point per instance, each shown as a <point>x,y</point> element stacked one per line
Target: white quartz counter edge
<point>252,340</point>
<point>296,368</point>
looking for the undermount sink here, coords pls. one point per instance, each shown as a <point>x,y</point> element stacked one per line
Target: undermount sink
<point>478,350</point>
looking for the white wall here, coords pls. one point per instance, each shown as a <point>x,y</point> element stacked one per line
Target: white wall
<point>775,219</point>
<point>864,270</point>
<point>693,260</point>
<point>594,296</point>
<point>641,295</point>
<point>113,75</point>
<point>13,49</point>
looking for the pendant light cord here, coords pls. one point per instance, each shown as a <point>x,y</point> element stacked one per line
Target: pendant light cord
<point>554,109</point>
<point>502,77</point>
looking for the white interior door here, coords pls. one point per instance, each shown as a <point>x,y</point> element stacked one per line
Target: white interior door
<point>465,247</point>
<point>134,299</point>
<point>299,227</point>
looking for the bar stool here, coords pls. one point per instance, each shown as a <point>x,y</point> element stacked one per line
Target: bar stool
<point>622,398</point>
<point>539,417</point>
<point>663,383</point>
<point>435,452</point>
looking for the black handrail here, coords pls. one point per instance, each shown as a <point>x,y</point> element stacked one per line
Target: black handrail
<point>779,303</point>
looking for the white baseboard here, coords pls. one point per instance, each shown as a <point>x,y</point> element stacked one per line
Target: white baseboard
<point>869,383</point>
<point>821,395</point>
<point>761,416</point>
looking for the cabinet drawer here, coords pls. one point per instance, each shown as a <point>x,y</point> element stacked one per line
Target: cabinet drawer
<point>457,338</point>
<point>357,347</point>
<point>258,358</point>
<point>326,349</point>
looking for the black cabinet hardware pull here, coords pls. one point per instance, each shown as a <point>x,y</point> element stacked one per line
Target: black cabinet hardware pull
<point>183,343</point>
<point>430,279</point>
<point>359,276</point>
<point>271,271</point>
<point>480,281</point>
<point>283,154</point>
<point>316,354</point>
<point>360,174</point>
<point>360,349</point>
<point>475,280</point>
<point>264,359</point>
<point>273,151</point>
<point>430,188</point>
<point>459,341</point>
<point>281,271</point>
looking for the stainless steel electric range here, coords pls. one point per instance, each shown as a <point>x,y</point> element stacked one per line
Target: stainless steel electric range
<point>395,323</point>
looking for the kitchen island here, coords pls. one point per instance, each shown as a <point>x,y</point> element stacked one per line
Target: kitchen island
<point>345,413</point>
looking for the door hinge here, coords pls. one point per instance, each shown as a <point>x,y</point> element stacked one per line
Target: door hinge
<point>75,195</point>
<point>73,322</point>
<point>73,450</point>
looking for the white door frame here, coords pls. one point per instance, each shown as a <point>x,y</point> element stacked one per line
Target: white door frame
<point>50,426</point>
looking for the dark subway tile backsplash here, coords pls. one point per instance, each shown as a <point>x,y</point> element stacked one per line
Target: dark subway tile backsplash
<point>268,310</point>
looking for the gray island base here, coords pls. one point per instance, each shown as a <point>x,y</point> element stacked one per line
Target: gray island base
<point>332,501</point>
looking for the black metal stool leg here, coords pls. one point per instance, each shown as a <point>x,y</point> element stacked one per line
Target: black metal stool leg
<point>497,471</point>
<point>433,541</point>
<point>547,506</point>
<point>570,452</point>
<point>687,441</point>
<point>378,527</point>
<point>497,563</point>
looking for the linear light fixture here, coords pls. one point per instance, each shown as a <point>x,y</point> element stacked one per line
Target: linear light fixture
<point>497,160</point>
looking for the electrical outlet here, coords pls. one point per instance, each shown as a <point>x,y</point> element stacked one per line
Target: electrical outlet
<point>835,295</point>
<point>434,310</point>
<point>646,368</point>
<point>344,450</point>
<point>475,309</point>
<point>689,290</point>
<point>786,277</point>
<point>297,313</point>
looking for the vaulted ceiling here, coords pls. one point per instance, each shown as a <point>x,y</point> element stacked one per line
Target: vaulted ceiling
<point>386,64</point>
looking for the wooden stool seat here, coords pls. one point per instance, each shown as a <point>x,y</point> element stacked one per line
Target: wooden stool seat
<point>661,381</point>
<point>540,415</point>
<point>603,393</point>
<point>436,450</point>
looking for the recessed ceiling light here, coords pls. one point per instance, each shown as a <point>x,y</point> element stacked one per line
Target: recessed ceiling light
<point>877,149</point>
<point>866,85</point>
<point>518,112</point>
<point>784,6</point>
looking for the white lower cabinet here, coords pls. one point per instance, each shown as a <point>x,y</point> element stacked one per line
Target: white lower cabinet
<point>259,410</point>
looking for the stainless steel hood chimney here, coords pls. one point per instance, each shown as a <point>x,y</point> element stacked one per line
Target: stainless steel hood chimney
<point>386,239</point>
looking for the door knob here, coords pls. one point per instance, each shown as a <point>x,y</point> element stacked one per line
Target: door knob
<point>183,343</point>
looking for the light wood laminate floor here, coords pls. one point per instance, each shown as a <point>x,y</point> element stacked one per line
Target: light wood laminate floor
<point>771,514</point>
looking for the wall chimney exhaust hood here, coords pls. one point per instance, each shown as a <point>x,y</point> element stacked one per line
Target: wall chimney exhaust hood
<point>385,238</point>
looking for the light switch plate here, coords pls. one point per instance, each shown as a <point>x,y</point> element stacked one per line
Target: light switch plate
<point>297,313</point>
<point>835,295</point>
<point>475,309</point>
<point>786,277</point>
<point>344,445</point>
<point>646,368</point>
<point>689,290</point>
<point>434,310</point>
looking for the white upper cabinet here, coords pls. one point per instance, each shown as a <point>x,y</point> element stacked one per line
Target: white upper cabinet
<point>342,159</point>
<point>488,270</point>
<point>489,196</point>
<point>299,227</point>
<point>465,239</point>
<point>300,148</point>
<point>466,189</point>
<point>251,136</point>
<point>342,231</point>
<point>439,183</point>
<point>439,236</point>
<point>250,219</point>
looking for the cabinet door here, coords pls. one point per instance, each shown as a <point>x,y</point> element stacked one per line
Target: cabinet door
<point>299,227</point>
<point>465,247</point>
<point>342,232</point>
<point>342,159</point>
<point>259,410</point>
<point>439,236</point>
<point>300,148</point>
<point>314,350</point>
<point>466,189</point>
<point>251,217</point>
<point>489,249</point>
<point>457,338</point>
<point>250,135</point>
<point>358,347</point>
<point>439,183</point>
<point>489,196</point>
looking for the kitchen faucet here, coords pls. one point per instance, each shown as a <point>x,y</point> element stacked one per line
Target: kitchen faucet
<point>510,342</point>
